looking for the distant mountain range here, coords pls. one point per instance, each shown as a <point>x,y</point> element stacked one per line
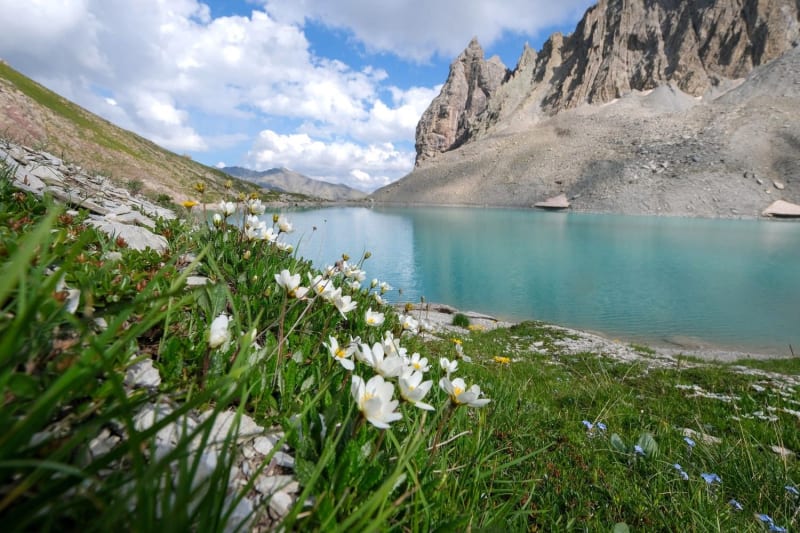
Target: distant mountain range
<point>285,180</point>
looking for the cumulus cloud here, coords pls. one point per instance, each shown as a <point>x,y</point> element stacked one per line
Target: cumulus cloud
<point>419,29</point>
<point>364,167</point>
<point>192,82</point>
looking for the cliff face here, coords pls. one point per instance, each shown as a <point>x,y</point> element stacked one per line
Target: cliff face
<point>619,46</point>
<point>464,97</point>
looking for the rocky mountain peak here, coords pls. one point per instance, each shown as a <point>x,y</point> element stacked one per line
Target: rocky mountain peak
<point>464,97</point>
<point>619,46</point>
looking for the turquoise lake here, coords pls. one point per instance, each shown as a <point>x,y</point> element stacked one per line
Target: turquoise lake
<point>730,284</point>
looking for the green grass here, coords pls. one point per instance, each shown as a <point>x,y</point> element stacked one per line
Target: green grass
<point>525,461</point>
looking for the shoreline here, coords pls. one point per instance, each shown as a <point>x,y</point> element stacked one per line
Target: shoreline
<point>441,315</point>
<point>368,203</point>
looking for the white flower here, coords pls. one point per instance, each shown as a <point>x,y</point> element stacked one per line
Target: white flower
<point>413,389</point>
<point>461,354</point>
<point>291,283</point>
<point>284,225</point>
<point>340,353</point>
<point>217,220</point>
<point>448,366</point>
<point>255,207</point>
<point>355,285</point>
<point>284,246</point>
<point>344,304</point>
<point>256,229</point>
<point>388,366</point>
<point>227,208</point>
<point>373,318</point>
<point>219,334</point>
<point>354,273</point>
<point>419,363</point>
<point>409,323</point>
<point>460,395</point>
<point>374,400</point>
<point>392,346</point>
<point>385,287</point>
<point>321,286</point>
<point>378,299</point>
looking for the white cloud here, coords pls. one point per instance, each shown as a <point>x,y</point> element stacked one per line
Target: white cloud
<point>363,167</point>
<point>169,71</point>
<point>419,29</point>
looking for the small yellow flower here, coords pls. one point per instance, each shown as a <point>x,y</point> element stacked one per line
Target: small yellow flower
<point>229,184</point>
<point>254,195</point>
<point>188,204</point>
<point>456,341</point>
<point>200,187</point>
<point>501,360</point>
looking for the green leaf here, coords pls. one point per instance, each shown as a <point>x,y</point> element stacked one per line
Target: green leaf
<point>618,444</point>
<point>304,470</point>
<point>621,527</point>
<point>648,444</point>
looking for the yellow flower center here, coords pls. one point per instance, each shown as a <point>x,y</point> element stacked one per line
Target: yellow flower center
<point>457,391</point>
<point>370,320</point>
<point>417,365</point>
<point>340,353</point>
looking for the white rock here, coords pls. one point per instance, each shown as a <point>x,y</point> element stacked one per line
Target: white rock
<point>196,281</point>
<point>223,423</point>
<point>241,517</point>
<point>702,437</point>
<point>142,374</point>
<point>283,459</point>
<point>263,445</point>
<point>783,452</point>
<point>27,181</point>
<point>136,237</point>
<point>47,175</point>
<point>280,502</point>
<point>267,485</point>
<point>103,443</point>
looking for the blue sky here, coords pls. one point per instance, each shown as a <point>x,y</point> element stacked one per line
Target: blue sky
<point>331,89</point>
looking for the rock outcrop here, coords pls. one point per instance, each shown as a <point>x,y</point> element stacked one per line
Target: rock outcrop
<point>649,107</point>
<point>112,210</point>
<point>618,47</point>
<point>465,96</point>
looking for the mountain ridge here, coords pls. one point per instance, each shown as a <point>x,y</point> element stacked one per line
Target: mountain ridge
<point>605,117</point>
<point>287,180</point>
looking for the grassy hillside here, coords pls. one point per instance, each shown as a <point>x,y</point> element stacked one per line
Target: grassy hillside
<point>33,115</point>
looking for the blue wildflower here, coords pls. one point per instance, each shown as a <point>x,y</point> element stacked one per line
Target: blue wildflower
<point>588,424</point>
<point>638,450</point>
<point>690,442</point>
<point>792,490</point>
<point>767,519</point>
<point>736,505</point>
<point>601,426</point>
<point>777,529</point>
<point>711,478</point>
<point>683,474</point>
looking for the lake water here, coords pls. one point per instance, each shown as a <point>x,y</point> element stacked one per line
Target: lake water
<point>690,282</point>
